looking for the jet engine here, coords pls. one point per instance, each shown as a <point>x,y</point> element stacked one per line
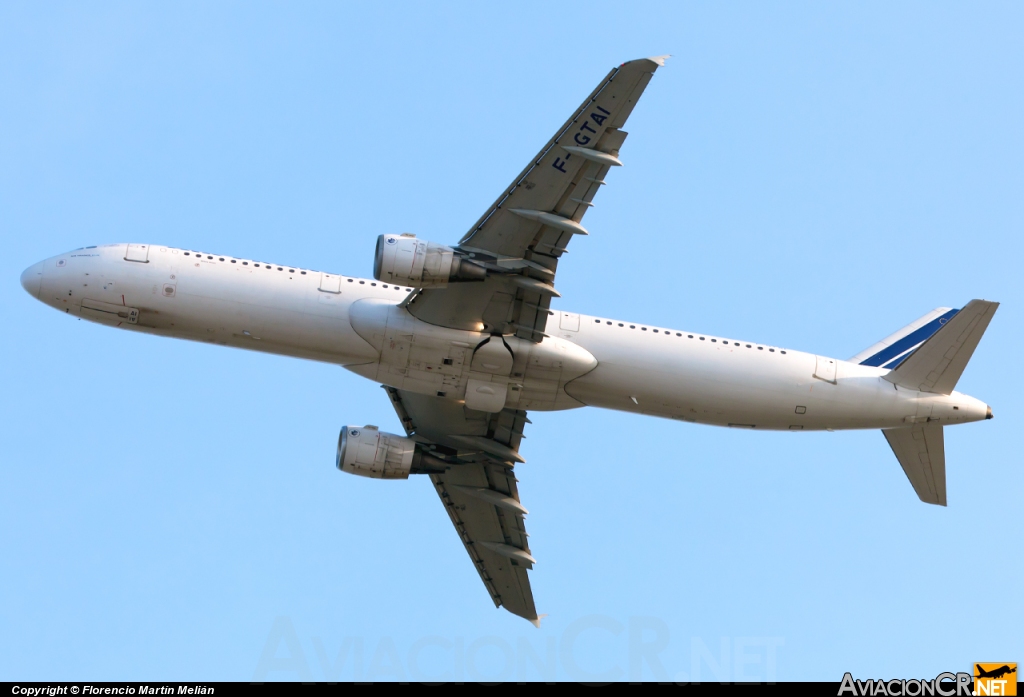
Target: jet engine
<point>370,452</point>
<point>407,261</point>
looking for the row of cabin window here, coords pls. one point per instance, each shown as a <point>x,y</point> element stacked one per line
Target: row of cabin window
<point>690,336</point>
<point>244,263</point>
<point>279,268</point>
<point>384,285</point>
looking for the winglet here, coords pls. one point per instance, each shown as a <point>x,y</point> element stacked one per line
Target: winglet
<point>660,60</point>
<point>536,620</point>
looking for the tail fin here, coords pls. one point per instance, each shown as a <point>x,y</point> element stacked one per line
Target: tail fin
<point>890,351</point>
<point>921,451</point>
<point>938,363</point>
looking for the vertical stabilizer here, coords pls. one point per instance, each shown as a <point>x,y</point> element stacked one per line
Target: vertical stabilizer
<point>890,351</point>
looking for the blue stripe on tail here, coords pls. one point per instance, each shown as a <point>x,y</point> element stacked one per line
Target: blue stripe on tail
<point>899,350</point>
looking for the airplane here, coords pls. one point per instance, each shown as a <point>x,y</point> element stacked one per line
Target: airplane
<point>464,342</point>
<point>994,673</point>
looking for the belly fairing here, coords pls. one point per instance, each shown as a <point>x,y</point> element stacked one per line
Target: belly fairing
<point>429,359</point>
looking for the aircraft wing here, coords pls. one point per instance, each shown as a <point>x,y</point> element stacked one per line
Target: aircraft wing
<point>520,238</point>
<point>479,489</point>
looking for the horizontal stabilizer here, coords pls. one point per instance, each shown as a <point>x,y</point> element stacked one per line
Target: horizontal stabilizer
<point>922,455</point>
<point>938,363</point>
<point>890,351</point>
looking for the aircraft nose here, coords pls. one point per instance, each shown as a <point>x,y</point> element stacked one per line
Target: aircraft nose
<point>32,279</point>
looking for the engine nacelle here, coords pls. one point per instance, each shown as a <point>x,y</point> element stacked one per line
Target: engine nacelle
<point>407,261</point>
<point>370,452</point>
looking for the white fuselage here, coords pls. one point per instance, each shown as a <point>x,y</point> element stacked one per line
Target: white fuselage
<point>584,360</point>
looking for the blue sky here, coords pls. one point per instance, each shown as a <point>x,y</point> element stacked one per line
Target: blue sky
<point>803,175</point>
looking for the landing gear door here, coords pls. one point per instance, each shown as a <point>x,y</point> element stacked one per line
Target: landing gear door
<point>825,369</point>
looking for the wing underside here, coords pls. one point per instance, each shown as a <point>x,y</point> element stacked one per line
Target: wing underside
<point>478,489</point>
<point>521,236</point>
